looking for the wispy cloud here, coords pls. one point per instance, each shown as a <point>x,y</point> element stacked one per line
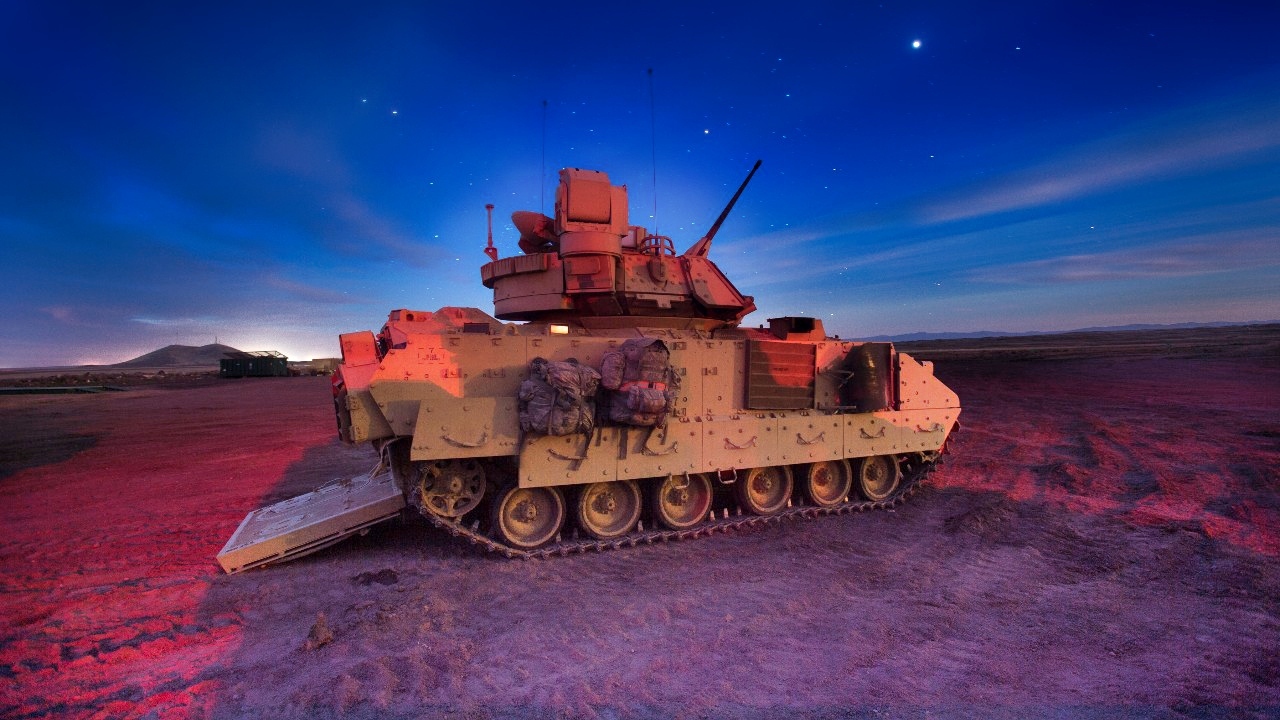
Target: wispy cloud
<point>313,158</point>
<point>61,313</point>
<point>826,254</point>
<point>1198,255</point>
<point>972,234</point>
<point>370,232</point>
<point>779,239</point>
<point>179,322</point>
<point>305,292</point>
<point>1183,143</point>
<point>306,153</point>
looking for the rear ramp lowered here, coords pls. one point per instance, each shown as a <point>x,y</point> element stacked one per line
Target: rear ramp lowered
<point>299,526</point>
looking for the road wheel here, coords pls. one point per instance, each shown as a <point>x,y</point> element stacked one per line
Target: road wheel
<point>607,510</point>
<point>679,502</point>
<point>828,483</point>
<point>878,476</point>
<point>764,491</point>
<point>528,517</point>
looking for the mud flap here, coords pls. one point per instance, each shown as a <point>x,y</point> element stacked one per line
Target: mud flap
<point>299,526</point>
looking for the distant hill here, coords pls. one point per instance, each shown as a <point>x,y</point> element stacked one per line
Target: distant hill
<point>926,336</point>
<point>180,356</point>
<point>1201,340</point>
<point>918,336</point>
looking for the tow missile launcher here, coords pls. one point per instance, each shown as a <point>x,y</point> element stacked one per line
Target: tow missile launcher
<point>622,402</point>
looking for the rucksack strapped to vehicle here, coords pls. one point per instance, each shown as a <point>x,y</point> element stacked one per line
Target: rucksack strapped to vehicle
<point>558,398</point>
<point>640,382</point>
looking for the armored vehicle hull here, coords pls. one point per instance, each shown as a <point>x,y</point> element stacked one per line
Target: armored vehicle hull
<point>761,421</point>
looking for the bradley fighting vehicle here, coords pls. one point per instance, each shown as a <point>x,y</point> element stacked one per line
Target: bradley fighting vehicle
<point>625,403</point>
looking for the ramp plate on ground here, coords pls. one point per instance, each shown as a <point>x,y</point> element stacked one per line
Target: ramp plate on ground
<point>301,525</point>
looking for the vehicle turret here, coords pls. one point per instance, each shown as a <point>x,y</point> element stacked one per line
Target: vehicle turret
<point>589,267</point>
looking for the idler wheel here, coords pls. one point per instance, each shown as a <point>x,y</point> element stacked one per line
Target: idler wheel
<point>878,476</point>
<point>828,483</point>
<point>528,517</point>
<point>607,510</point>
<point>450,488</point>
<point>765,491</point>
<point>679,502</point>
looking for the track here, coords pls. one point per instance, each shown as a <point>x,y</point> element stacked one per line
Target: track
<point>913,475</point>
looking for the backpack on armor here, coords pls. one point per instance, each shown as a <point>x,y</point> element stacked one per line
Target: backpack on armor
<point>640,382</point>
<point>558,398</point>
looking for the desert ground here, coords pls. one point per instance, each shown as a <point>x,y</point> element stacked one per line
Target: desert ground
<point>1102,541</point>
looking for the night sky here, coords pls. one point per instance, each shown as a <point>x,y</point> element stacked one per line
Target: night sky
<point>272,174</point>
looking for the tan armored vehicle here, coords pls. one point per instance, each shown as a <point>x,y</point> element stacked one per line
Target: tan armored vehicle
<point>626,404</point>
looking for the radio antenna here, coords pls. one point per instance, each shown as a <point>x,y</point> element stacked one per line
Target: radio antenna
<point>489,249</point>
<point>653,145</point>
<point>542,201</point>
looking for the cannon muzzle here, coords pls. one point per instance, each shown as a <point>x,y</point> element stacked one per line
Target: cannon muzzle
<point>703,246</point>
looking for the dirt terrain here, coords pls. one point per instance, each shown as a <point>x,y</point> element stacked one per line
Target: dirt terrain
<point>1103,541</point>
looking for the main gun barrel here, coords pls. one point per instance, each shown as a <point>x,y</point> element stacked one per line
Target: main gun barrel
<point>703,246</point>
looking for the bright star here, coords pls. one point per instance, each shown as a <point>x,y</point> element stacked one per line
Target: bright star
<point>916,44</point>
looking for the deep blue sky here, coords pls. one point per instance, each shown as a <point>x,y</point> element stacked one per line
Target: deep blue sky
<point>275,174</point>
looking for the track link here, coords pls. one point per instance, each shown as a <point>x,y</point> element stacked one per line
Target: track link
<point>913,475</point>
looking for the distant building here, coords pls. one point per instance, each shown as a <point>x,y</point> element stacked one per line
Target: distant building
<point>258,363</point>
<point>316,366</point>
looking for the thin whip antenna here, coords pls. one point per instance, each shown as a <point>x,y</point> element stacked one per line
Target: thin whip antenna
<point>542,201</point>
<point>489,249</point>
<point>653,145</point>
